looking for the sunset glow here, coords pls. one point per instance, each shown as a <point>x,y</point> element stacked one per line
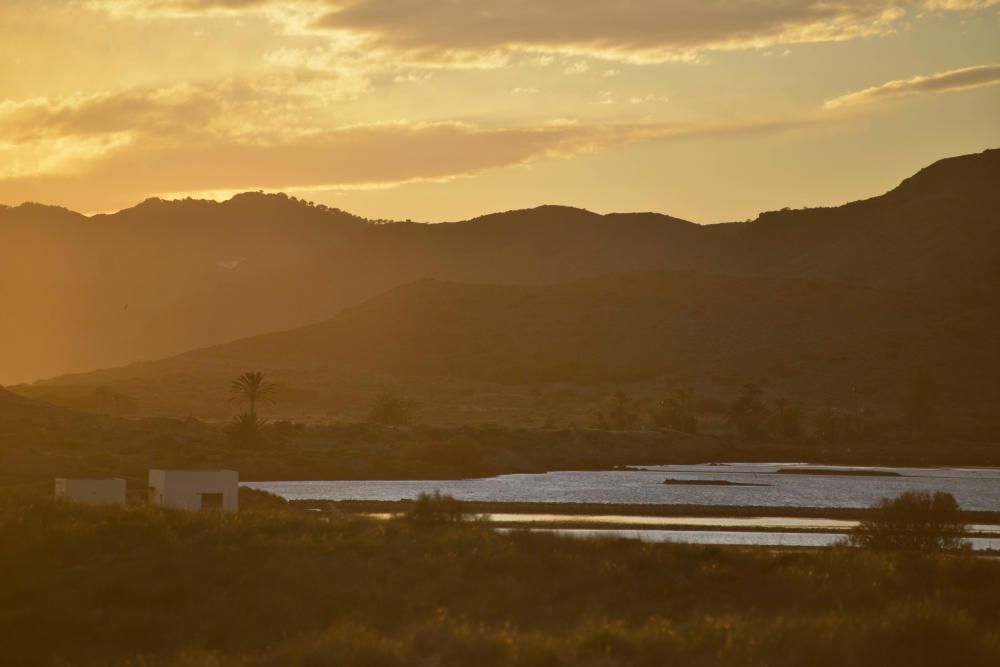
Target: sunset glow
<point>445,110</point>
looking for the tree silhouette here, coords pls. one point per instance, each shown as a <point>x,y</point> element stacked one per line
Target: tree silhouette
<point>748,414</point>
<point>250,388</point>
<point>677,412</point>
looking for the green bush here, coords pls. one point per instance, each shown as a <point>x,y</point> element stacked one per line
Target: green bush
<point>915,520</point>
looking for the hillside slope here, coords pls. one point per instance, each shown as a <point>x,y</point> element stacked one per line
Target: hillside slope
<point>40,441</point>
<point>165,277</point>
<point>807,340</point>
<point>938,233</point>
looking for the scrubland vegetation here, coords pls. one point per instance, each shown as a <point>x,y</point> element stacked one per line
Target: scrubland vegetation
<point>39,442</point>
<point>140,586</point>
<point>917,521</point>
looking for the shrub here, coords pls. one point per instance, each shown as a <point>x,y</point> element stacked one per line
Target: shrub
<point>247,430</point>
<point>916,520</point>
<point>149,587</point>
<point>437,508</point>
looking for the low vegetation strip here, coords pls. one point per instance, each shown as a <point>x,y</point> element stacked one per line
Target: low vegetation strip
<point>847,472</point>
<point>98,586</point>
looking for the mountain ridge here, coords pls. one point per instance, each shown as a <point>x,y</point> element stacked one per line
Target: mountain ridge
<point>942,166</point>
<point>164,277</point>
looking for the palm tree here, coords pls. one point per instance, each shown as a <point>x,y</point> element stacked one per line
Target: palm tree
<point>250,388</point>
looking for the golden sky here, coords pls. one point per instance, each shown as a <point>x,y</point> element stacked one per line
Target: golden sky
<point>710,110</point>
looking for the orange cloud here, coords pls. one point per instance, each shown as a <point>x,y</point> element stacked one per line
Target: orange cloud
<point>171,109</point>
<point>349,156</point>
<point>959,4</point>
<point>644,31</point>
<point>942,82</point>
<point>137,160</point>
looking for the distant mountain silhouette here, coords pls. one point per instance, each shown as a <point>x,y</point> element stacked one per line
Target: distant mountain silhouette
<point>164,277</point>
<point>803,339</point>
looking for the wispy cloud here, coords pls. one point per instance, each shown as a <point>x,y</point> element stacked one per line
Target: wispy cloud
<point>959,4</point>
<point>160,110</point>
<point>108,151</point>
<point>956,79</point>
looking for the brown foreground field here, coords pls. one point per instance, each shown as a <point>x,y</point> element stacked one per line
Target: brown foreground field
<point>276,586</point>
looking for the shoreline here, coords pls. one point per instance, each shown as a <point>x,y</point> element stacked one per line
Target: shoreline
<point>622,509</point>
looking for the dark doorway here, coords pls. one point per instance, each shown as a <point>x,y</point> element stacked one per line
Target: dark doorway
<point>211,501</point>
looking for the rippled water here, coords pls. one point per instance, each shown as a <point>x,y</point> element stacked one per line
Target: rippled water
<point>974,488</point>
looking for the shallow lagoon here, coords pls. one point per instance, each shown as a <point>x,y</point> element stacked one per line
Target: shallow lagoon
<point>974,488</point>
<point>737,537</point>
<point>760,485</point>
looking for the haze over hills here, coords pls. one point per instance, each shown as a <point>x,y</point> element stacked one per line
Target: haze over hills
<point>166,277</point>
<point>803,340</point>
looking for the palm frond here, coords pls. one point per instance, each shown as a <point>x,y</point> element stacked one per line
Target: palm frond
<point>250,387</point>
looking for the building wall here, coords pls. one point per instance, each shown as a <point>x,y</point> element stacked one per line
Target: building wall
<point>95,491</point>
<point>183,489</point>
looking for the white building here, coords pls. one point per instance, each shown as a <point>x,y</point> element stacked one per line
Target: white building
<point>94,491</point>
<point>195,489</point>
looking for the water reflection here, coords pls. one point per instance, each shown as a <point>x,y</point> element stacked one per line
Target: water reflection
<point>731,537</point>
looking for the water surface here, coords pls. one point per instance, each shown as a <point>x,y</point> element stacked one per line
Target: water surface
<point>735,537</point>
<point>974,488</point>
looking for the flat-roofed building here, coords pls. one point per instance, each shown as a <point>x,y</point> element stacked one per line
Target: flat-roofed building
<point>195,489</point>
<point>94,491</point>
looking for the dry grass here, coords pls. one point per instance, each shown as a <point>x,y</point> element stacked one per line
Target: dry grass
<point>90,586</point>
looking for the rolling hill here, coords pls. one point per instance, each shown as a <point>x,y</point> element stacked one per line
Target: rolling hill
<point>163,277</point>
<point>805,340</point>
